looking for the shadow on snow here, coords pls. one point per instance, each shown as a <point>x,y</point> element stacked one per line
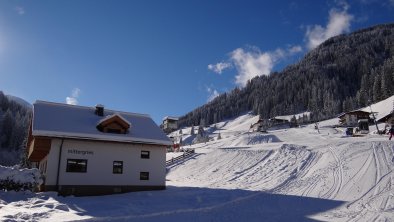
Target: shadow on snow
<point>196,204</point>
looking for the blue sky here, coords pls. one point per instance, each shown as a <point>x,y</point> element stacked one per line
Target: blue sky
<point>162,57</point>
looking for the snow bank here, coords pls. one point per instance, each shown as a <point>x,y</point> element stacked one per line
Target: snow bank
<point>15,178</point>
<point>254,138</point>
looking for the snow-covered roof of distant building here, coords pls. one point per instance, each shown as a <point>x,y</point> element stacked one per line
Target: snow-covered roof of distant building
<point>170,118</point>
<point>71,121</point>
<point>382,108</point>
<point>298,116</point>
<point>353,112</point>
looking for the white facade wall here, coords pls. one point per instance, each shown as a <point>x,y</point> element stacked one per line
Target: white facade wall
<point>100,157</point>
<point>351,119</point>
<point>170,124</point>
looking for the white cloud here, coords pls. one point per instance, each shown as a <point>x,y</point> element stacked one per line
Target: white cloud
<point>20,10</point>
<point>219,67</point>
<point>73,99</point>
<point>251,63</point>
<point>338,23</point>
<point>213,93</point>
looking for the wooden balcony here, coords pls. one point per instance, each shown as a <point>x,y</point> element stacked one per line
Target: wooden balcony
<point>39,148</point>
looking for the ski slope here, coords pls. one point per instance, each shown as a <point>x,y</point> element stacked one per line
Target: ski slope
<point>301,162</point>
<point>288,174</point>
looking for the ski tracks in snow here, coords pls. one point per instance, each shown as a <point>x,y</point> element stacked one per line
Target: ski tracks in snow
<point>337,174</point>
<point>371,185</point>
<point>377,204</point>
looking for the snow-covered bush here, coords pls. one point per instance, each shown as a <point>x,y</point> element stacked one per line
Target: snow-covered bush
<point>15,178</point>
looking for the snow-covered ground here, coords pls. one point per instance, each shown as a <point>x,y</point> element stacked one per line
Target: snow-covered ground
<point>291,174</point>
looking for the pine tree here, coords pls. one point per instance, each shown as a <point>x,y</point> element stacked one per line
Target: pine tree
<point>7,129</point>
<point>377,87</point>
<point>192,131</point>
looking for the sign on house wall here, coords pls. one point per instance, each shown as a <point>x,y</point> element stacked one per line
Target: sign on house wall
<point>80,152</point>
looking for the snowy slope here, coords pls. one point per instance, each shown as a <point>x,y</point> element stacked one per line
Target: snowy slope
<point>290,174</point>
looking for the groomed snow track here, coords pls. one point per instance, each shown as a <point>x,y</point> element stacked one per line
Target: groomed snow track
<point>359,173</point>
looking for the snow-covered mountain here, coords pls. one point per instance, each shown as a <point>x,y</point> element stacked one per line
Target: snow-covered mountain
<point>287,174</point>
<point>341,74</point>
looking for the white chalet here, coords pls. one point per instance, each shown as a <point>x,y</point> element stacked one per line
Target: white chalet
<point>170,124</point>
<point>91,151</point>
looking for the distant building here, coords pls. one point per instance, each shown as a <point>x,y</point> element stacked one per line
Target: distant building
<point>259,126</point>
<point>170,124</point>
<point>351,118</point>
<point>303,118</point>
<point>91,151</point>
<point>277,121</point>
<point>291,120</point>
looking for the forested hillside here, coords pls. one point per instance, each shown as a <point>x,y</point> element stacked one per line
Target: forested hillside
<point>343,73</point>
<point>14,122</point>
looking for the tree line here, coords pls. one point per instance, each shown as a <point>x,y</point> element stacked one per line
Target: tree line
<point>14,125</point>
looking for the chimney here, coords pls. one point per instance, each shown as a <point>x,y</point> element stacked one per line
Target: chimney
<point>99,110</point>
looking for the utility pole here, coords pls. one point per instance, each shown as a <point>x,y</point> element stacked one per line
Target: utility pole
<point>317,121</point>
<point>374,118</point>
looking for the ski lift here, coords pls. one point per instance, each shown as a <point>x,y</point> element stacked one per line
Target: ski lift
<point>363,126</point>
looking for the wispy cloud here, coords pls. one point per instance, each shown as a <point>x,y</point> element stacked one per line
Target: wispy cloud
<point>219,67</point>
<point>338,23</point>
<point>295,49</point>
<point>212,94</point>
<point>73,99</point>
<point>252,62</point>
<point>20,10</point>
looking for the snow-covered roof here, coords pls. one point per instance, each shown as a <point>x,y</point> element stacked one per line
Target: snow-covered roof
<point>382,108</point>
<point>70,121</point>
<point>171,118</point>
<point>353,112</point>
<point>289,117</point>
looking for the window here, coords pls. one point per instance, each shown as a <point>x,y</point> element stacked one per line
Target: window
<point>111,130</point>
<point>145,154</point>
<point>117,167</point>
<point>144,175</point>
<point>77,165</point>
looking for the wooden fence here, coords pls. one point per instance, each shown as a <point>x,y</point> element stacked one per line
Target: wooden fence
<point>185,154</point>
